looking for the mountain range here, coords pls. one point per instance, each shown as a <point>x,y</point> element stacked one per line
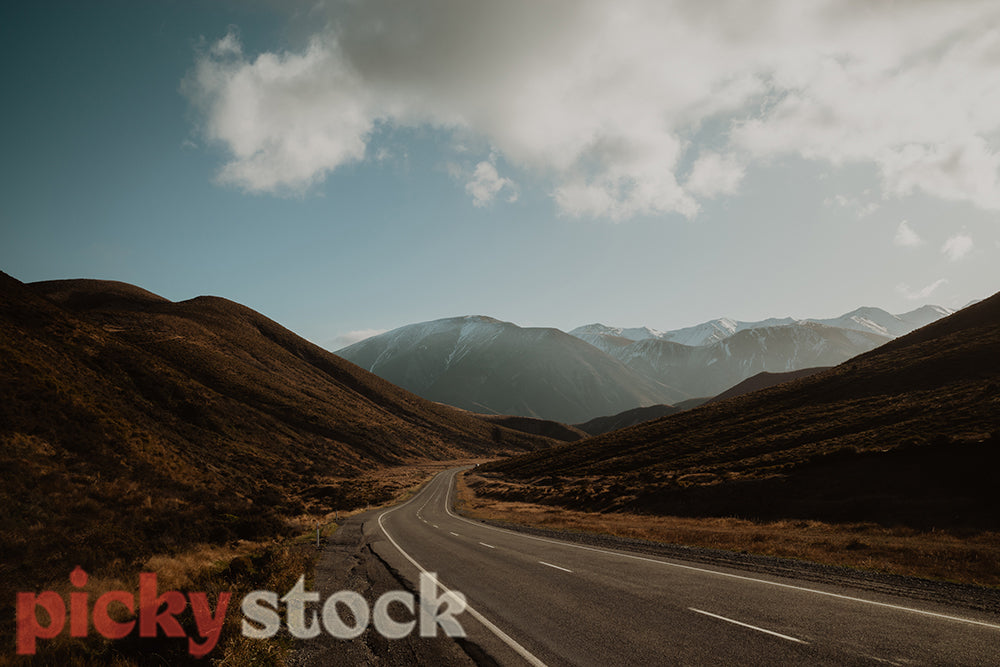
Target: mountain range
<point>485,365</point>
<point>867,319</point>
<point>907,434</point>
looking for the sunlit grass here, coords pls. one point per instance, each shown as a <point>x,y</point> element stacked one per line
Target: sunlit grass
<point>965,558</point>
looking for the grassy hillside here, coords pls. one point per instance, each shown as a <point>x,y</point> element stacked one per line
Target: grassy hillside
<point>133,426</point>
<point>906,434</point>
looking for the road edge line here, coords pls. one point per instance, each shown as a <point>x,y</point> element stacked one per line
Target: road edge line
<point>489,625</point>
<point>747,625</point>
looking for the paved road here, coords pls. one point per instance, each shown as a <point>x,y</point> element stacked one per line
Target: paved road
<point>539,601</point>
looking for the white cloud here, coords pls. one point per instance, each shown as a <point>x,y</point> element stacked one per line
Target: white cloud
<point>916,295</point>
<point>486,183</point>
<point>352,337</point>
<point>906,237</point>
<point>287,119</point>
<point>957,246</point>
<point>228,46</point>
<point>713,175</point>
<point>861,208</point>
<point>604,101</point>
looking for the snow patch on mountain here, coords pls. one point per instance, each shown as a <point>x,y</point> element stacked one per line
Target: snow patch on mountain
<point>866,319</point>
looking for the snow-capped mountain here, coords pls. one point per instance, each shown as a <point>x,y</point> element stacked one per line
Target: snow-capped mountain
<point>872,320</point>
<point>883,323</point>
<point>485,365</point>
<point>700,334</point>
<point>708,358</point>
<point>634,333</point>
<point>707,370</point>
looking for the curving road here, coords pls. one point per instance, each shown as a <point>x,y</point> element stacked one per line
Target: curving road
<point>540,601</point>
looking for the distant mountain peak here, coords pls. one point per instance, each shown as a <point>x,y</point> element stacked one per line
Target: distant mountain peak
<point>864,318</point>
<point>482,364</point>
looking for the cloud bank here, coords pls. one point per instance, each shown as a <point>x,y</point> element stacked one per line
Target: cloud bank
<point>610,103</point>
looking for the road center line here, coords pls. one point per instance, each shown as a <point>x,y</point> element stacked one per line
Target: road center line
<point>488,545</point>
<point>454,533</point>
<point>621,554</point>
<point>555,566</point>
<point>747,625</point>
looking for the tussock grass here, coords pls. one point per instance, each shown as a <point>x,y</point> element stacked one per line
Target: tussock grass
<point>237,567</point>
<point>936,554</point>
<point>211,569</point>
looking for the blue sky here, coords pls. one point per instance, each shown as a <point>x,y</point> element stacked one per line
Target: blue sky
<point>343,167</point>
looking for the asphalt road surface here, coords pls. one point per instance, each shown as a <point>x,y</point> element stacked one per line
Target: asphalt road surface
<point>534,600</point>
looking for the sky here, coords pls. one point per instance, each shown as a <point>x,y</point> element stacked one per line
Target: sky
<point>350,167</point>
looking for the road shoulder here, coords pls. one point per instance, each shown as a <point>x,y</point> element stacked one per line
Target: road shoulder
<point>348,562</point>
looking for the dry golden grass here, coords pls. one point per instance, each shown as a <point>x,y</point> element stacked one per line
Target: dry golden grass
<point>969,559</point>
<point>236,567</point>
<point>271,566</point>
<point>178,571</point>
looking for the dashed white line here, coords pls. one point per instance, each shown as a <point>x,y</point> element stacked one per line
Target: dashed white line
<point>747,625</point>
<point>488,545</point>
<point>454,533</point>
<point>729,575</point>
<point>555,566</point>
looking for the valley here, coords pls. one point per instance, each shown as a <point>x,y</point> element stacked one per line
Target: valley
<point>205,441</point>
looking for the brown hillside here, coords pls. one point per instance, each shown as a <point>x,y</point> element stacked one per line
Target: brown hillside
<point>907,433</point>
<point>131,425</point>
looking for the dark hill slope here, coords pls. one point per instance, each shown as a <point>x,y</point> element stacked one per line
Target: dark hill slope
<point>130,425</point>
<point>908,433</point>
<point>543,427</point>
<point>602,425</point>
<point>764,380</point>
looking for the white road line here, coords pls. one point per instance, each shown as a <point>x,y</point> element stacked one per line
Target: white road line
<point>747,625</point>
<point>503,636</point>
<point>730,575</point>
<point>555,566</point>
<point>488,545</point>
<point>454,533</point>
<point>435,525</point>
